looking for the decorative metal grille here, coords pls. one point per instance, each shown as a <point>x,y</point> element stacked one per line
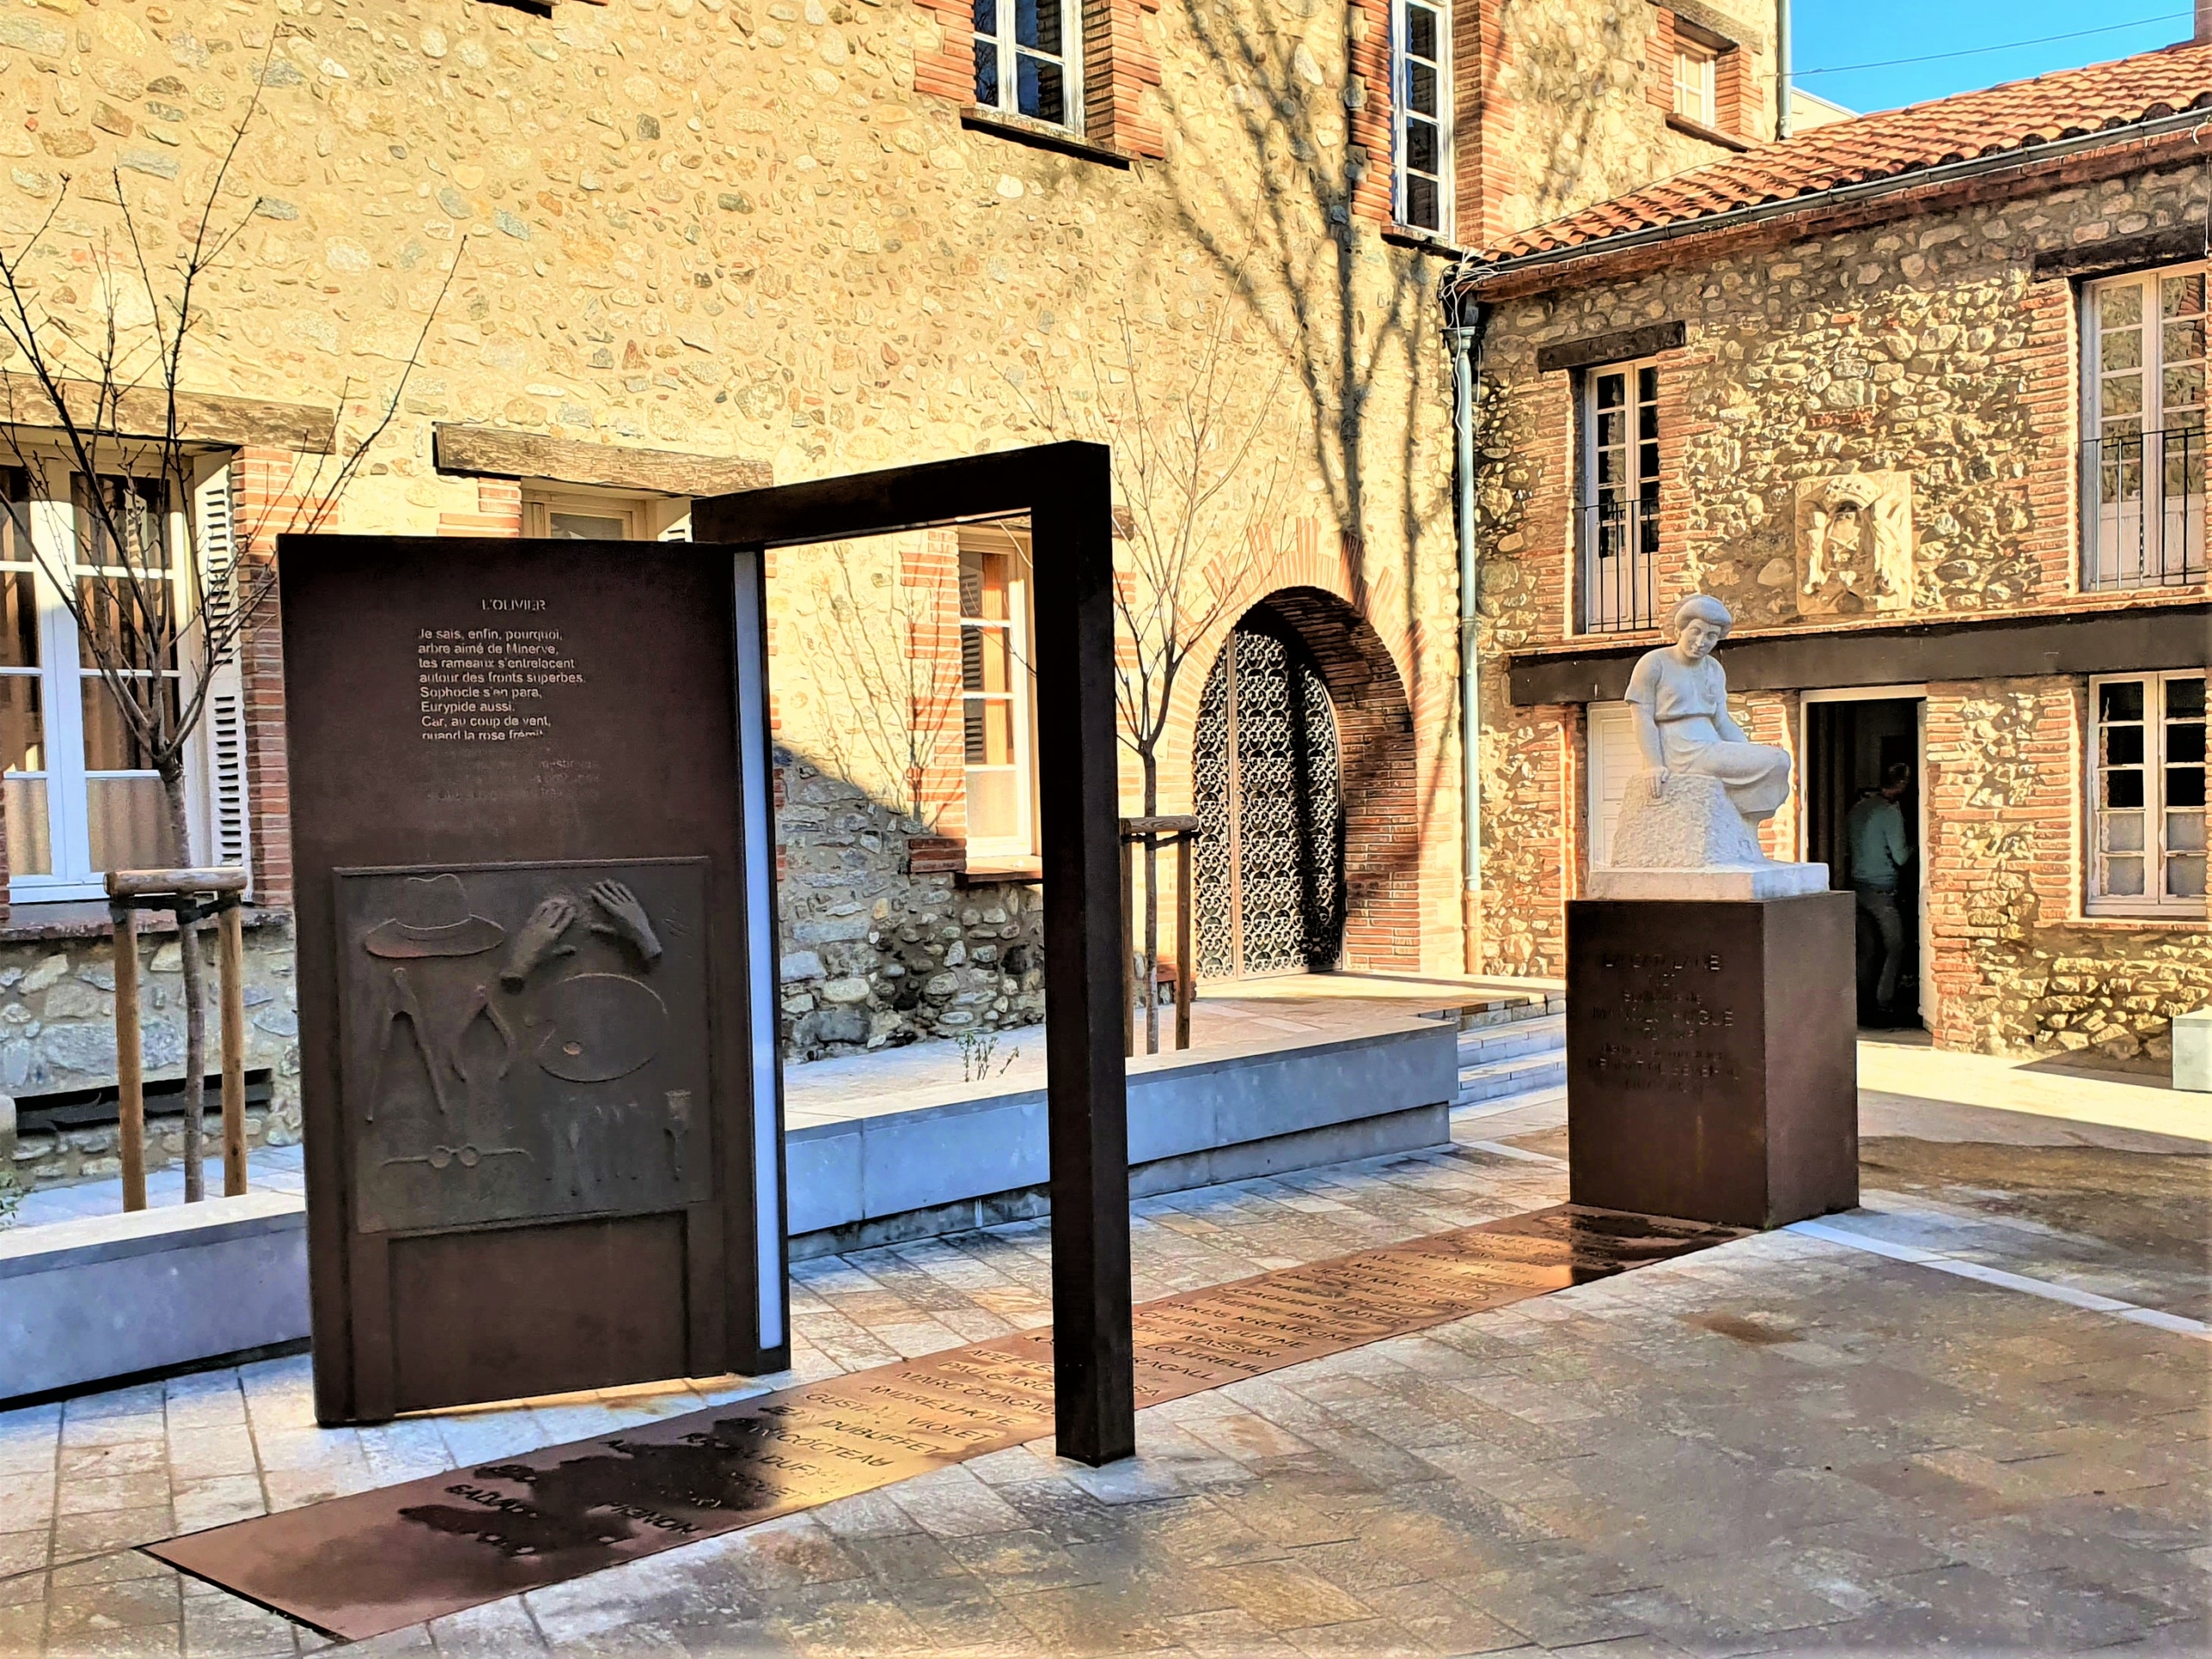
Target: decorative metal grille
<point>1270,857</point>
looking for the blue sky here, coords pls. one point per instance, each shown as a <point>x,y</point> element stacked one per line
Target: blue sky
<point>1835,34</point>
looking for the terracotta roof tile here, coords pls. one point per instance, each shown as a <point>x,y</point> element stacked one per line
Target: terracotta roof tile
<point>2015,116</point>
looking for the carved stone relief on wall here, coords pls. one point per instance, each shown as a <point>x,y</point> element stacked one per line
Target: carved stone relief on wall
<point>1854,543</point>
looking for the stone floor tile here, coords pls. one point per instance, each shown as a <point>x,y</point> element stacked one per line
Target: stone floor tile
<point>201,1453</point>
<point>109,1566</point>
<point>1552,1610</point>
<point>498,1630</point>
<point>836,1621</point>
<point>1282,1595</point>
<point>217,1501</point>
<point>1026,1559</point>
<point>72,1613</point>
<point>897,1557</point>
<point>87,1494</point>
<point>222,1627</point>
<point>1433,1615</point>
<point>1092,1618</point>
<point>953,1502</point>
<point>107,1530</point>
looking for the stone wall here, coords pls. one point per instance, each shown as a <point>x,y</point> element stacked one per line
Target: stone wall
<point>1922,356</point>
<point>1564,103</point>
<point>2016,966</point>
<point>762,230</point>
<point>57,1034</point>
<point>876,954</point>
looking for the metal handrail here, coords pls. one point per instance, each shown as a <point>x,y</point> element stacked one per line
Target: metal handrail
<point>1619,545</point>
<point>2142,510</point>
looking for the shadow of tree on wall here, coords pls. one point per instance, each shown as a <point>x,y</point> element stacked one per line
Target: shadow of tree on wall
<point>1356,318</point>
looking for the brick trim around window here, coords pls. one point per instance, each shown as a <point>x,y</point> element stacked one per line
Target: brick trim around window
<point>1119,65</point>
<point>1735,96</point>
<point>1367,93</point>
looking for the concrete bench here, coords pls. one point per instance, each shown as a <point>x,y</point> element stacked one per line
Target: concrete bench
<point>86,1301</point>
<point>922,1161</point>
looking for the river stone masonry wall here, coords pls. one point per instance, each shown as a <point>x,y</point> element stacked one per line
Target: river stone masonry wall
<point>1927,354</point>
<point>876,955</point>
<point>57,1034</point>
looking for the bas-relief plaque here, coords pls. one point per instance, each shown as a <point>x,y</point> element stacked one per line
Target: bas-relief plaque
<point>530,1089</point>
<point>524,1041</point>
<point>1854,543</point>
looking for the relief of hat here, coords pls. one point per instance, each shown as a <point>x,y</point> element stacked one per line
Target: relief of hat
<point>434,920</point>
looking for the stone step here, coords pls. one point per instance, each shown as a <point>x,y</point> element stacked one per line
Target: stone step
<point>1510,1007</point>
<point>1519,1037</point>
<point>1518,1075</point>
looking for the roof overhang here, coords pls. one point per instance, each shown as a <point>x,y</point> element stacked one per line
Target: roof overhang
<point>2001,174</point>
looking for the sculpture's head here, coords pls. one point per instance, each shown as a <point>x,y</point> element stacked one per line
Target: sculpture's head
<point>1701,622</point>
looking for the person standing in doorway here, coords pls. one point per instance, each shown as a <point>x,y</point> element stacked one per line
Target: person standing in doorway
<point>1879,849</point>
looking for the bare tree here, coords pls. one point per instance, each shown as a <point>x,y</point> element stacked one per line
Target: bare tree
<point>887,654</point>
<point>1199,498</point>
<point>106,386</point>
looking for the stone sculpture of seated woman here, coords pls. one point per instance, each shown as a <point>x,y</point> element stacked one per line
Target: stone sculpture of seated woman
<point>1706,787</point>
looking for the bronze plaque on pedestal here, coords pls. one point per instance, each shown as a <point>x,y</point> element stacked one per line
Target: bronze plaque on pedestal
<point>1711,1067</point>
<point>529,935</point>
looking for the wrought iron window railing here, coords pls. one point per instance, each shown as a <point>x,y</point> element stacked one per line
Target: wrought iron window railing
<point>1620,551</point>
<point>2142,510</point>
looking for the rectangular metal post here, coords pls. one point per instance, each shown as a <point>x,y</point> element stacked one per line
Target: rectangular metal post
<point>1186,970</point>
<point>231,934</point>
<point>1128,950</point>
<point>130,1063</point>
<point>1086,946</point>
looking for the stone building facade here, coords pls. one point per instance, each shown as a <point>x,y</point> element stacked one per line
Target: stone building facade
<point>1920,397</point>
<point>659,249</point>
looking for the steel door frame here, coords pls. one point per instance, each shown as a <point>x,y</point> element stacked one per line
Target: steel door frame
<point>1066,491</point>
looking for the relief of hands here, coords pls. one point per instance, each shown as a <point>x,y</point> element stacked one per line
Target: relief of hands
<point>628,919</point>
<point>1654,784</point>
<point>540,934</point>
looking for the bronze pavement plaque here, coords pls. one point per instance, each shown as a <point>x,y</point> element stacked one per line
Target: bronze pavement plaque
<point>377,1561</point>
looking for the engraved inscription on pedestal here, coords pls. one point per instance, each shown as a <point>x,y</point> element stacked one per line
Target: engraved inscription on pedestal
<point>524,1040</point>
<point>1661,1024</point>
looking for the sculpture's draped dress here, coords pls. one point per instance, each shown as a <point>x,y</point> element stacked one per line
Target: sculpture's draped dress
<point>1687,700</point>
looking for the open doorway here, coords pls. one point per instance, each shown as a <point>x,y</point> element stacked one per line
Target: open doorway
<point>1863,819</point>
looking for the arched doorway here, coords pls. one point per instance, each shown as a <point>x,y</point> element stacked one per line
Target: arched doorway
<point>1267,782</point>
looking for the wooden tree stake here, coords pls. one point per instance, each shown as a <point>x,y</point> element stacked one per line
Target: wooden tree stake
<point>129,1062</point>
<point>233,933</point>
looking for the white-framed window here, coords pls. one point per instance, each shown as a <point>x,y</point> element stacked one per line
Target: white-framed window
<point>997,695</point>
<point>1421,107</point>
<point>600,516</point>
<point>1028,60</point>
<point>2146,794</point>
<point>2143,345</point>
<point>1696,63</point>
<point>82,797</point>
<point>1618,531</point>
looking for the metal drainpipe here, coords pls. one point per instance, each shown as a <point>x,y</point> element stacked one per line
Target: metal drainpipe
<point>1781,69</point>
<point>1466,334</point>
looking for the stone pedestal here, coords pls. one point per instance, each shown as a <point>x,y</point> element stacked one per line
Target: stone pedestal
<point>1711,1070</point>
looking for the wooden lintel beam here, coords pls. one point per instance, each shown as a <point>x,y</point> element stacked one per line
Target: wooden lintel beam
<point>492,452</point>
<point>140,415</point>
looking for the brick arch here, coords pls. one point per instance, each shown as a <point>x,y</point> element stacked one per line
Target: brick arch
<point>1374,748</point>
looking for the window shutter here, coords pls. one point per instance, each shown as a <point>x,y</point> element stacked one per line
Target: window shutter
<point>224,720</point>
<point>676,529</point>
